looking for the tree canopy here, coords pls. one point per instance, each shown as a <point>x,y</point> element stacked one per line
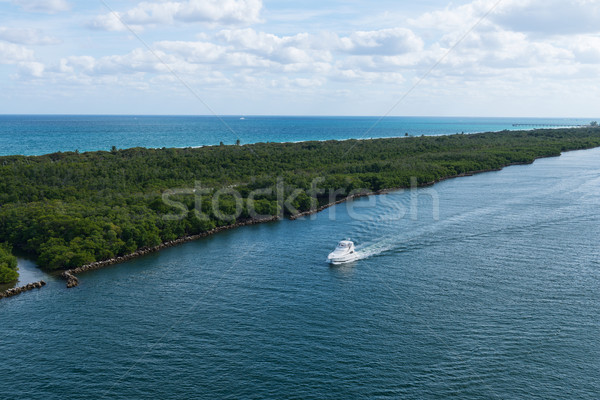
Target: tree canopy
<point>8,264</point>
<point>69,209</point>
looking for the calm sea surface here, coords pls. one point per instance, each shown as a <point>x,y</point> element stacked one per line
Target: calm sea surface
<point>497,299</point>
<point>42,134</point>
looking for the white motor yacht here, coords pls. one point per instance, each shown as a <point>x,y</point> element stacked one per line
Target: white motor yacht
<point>343,253</point>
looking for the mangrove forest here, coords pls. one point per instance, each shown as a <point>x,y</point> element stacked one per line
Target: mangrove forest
<point>70,209</point>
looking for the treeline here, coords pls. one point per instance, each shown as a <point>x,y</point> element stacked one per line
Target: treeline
<point>8,264</point>
<point>69,209</point>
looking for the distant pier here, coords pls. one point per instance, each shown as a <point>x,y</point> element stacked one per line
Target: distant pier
<point>551,125</point>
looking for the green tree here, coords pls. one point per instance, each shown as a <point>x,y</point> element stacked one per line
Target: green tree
<point>8,264</point>
<point>72,208</point>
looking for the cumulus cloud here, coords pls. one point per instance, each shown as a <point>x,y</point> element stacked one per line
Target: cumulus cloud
<point>503,52</point>
<point>136,62</point>
<point>354,75</point>
<point>522,36</point>
<point>31,69</point>
<point>299,48</point>
<point>45,6</point>
<point>382,42</point>
<point>585,49</point>
<point>26,36</point>
<point>296,83</point>
<point>298,61</point>
<point>545,17</point>
<point>218,12</point>
<point>550,17</point>
<point>452,19</point>
<point>11,53</point>
<point>193,52</point>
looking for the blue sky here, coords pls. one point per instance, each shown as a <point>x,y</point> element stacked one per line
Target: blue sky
<point>330,57</point>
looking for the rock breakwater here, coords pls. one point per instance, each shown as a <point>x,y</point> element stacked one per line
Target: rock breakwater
<point>72,280</point>
<point>18,290</point>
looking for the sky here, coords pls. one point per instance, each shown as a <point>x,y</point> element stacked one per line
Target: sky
<point>497,58</point>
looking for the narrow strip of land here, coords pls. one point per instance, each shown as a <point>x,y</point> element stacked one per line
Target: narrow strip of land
<point>92,209</point>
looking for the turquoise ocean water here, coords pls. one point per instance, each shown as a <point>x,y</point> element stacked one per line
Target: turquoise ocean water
<point>491,294</point>
<point>42,134</point>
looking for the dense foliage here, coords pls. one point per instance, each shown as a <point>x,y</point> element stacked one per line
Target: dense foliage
<point>70,209</point>
<point>8,264</point>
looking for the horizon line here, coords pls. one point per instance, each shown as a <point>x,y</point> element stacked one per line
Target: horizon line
<point>279,115</point>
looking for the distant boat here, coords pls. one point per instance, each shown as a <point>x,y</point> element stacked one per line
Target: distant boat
<point>343,253</point>
<point>242,118</point>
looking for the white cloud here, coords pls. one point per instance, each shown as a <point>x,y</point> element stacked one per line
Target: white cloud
<point>453,19</point>
<point>82,64</point>
<point>586,49</point>
<point>110,22</point>
<point>157,13</point>
<point>357,75</point>
<point>32,69</point>
<point>295,49</point>
<point>550,17</point>
<point>297,83</point>
<point>301,59</point>
<point>135,62</point>
<point>382,42</point>
<point>11,53</point>
<point>208,78</point>
<point>542,17</point>
<point>527,35</point>
<point>229,12</point>
<point>26,36</point>
<point>303,54</point>
<point>45,6</point>
<point>521,47</point>
<point>193,52</point>
<point>501,50</point>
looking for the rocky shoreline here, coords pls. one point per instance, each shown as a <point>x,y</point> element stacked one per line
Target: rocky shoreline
<point>385,191</point>
<point>18,290</point>
<point>70,275</point>
<point>345,199</point>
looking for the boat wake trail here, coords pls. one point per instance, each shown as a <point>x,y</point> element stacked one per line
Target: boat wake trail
<point>465,229</point>
<point>384,245</point>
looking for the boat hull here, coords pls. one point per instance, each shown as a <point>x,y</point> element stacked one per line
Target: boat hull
<point>342,260</point>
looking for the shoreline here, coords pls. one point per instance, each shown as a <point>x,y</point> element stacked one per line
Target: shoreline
<point>72,280</point>
<point>21,289</point>
<point>390,190</point>
<point>70,275</point>
<point>526,128</point>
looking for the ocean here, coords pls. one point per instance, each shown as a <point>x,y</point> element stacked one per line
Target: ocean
<point>43,134</point>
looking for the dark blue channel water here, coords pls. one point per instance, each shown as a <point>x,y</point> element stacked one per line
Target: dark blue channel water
<point>498,298</point>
